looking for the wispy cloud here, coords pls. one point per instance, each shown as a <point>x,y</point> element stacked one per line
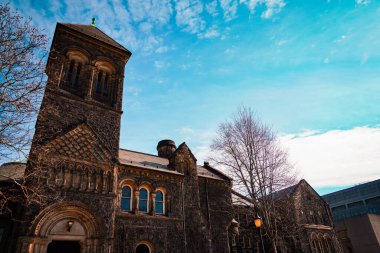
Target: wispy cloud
<point>271,6</point>
<point>229,9</point>
<point>365,2</point>
<point>211,32</point>
<point>188,16</point>
<point>211,8</point>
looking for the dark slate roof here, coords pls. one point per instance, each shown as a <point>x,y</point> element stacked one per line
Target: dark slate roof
<point>240,200</point>
<point>13,170</point>
<point>80,143</point>
<point>96,33</point>
<point>153,162</point>
<point>285,192</point>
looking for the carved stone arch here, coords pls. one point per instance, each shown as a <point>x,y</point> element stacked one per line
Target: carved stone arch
<point>147,244</point>
<point>127,181</point>
<point>78,54</point>
<point>147,185</point>
<point>71,211</point>
<point>65,221</point>
<point>106,64</point>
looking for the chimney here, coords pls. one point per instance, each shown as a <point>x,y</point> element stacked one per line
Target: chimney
<point>166,148</point>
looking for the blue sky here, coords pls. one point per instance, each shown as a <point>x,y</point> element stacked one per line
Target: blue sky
<point>310,69</point>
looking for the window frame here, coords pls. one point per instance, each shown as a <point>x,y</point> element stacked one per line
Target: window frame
<point>130,198</point>
<point>163,202</point>
<point>147,199</point>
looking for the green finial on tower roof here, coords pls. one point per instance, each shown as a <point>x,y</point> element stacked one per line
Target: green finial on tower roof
<point>93,21</point>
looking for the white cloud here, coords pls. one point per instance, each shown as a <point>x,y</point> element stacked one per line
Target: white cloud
<point>155,11</point>
<point>338,157</point>
<point>364,2</point>
<point>211,8</point>
<point>160,64</point>
<point>162,49</point>
<point>273,7</point>
<point>229,8</point>
<point>189,17</point>
<point>364,58</point>
<point>144,25</point>
<point>212,32</point>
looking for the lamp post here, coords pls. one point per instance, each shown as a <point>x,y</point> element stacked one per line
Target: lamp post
<point>259,223</point>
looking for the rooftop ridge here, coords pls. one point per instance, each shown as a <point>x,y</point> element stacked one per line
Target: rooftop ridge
<point>352,187</point>
<point>85,29</point>
<point>141,153</point>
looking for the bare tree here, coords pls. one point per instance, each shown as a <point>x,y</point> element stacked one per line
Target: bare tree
<point>22,50</point>
<point>22,54</point>
<point>250,152</point>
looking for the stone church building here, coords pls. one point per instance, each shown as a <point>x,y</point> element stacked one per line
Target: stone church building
<point>103,199</point>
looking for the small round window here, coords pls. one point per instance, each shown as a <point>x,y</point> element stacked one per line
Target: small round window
<point>142,248</point>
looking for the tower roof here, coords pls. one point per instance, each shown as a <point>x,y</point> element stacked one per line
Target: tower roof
<point>95,33</point>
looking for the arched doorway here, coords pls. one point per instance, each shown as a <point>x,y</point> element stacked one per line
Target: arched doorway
<point>63,247</point>
<point>67,228</point>
<point>143,248</point>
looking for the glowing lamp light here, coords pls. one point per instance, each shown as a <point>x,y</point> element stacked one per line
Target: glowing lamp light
<point>258,222</point>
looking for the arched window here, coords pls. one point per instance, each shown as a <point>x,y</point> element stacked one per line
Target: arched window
<point>74,69</point>
<point>160,202</point>
<point>126,199</point>
<point>105,86</point>
<point>142,248</point>
<point>79,67</point>
<point>73,73</point>
<point>102,83</point>
<point>70,71</point>
<point>143,200</point>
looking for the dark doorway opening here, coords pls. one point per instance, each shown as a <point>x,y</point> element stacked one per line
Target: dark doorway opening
<point>64,247</point>
<point>142,248</point>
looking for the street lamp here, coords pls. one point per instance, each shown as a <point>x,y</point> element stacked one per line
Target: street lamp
<point>259,223</point>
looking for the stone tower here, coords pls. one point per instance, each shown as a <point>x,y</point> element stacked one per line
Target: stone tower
<point>76,143</point>
<point>85,73</point>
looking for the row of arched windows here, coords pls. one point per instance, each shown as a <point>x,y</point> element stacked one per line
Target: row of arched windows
<point>144,203</point>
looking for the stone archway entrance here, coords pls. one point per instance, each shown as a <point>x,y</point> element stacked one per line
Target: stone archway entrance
<point>63,247</point>
<point>67,227</point>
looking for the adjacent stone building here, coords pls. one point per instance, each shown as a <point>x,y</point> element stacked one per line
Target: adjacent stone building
<point>304,223</point>
<point>98,198</point>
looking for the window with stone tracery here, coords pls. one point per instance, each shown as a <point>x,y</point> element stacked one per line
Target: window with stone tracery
<point>74,68</point>
<point>104,85</point>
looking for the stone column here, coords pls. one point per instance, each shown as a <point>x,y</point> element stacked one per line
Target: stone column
<point>82,181</point>
<point>89,178</point>
<point>135,201</point>
<point>90,87</point>
<point>97,181</point>
<point>153,203</point>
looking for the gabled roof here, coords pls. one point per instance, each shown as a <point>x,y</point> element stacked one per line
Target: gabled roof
<point>95,33</point>
<point>153,162</point>
<point>289,191</point>
<point>80,143</point>
<point>240,200</point>
<point>184,146</point>
<point>285,192</point>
